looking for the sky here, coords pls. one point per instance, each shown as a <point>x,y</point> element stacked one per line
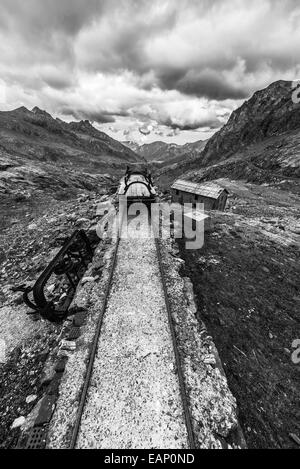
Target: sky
<point>170,70</point>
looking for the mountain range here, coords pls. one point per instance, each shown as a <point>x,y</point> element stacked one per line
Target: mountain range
<point>36,133</point>
<point>162,154</point>
<point>39,154</point>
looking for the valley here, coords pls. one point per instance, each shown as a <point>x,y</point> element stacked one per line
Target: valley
<point>161,154</point>
<point>246,279</point>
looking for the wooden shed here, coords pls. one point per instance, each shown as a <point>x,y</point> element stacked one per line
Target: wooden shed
<point>211,195</point>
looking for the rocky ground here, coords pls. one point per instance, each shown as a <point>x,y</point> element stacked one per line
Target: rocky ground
<point>246,281</point>
<point>30,238</point>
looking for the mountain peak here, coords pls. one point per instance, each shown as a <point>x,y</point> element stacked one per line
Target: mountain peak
<point>21,110</point>
<point>36,110</point>
<point>82,125</point>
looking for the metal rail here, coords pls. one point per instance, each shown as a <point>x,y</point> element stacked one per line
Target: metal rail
<point>183,393</point>
<point>93,352</point>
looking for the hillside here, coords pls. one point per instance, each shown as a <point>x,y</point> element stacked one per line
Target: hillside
<point>36,134</point>
<point>268,113</point>
<point>246,281</point>
<point>42,158</point>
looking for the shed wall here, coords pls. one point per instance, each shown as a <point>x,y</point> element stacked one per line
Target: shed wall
<point>209,204</point>
<point>188,198</point>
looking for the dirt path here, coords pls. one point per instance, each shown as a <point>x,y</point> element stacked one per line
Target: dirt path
<point>134,400</point>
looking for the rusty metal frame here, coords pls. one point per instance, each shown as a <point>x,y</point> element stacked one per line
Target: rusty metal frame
<point>71,261</point>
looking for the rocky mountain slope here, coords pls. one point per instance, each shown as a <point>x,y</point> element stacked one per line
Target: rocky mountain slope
<point>260,142</point>
<point>42,158</point>
<point>269,112</point>
<point>134,146</point>
<point>36,134</point>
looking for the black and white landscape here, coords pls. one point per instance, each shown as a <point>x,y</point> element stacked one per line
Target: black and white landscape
<point>202,91</point>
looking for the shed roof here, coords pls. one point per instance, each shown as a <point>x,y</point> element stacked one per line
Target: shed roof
<point>206,189</point>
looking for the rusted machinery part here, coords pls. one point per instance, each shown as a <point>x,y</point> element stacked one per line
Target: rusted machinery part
<point>71,261</point>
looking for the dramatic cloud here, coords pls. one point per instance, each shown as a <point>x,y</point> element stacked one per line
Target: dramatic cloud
<point>170,65</point>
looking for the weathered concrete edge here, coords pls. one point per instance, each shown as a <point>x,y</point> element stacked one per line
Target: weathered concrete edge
<point>212,405</point>
<point>90,298</point>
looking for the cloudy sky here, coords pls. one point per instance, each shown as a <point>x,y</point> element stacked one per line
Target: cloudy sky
<point>142,70</point>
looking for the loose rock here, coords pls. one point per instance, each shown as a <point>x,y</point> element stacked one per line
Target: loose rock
<point>18,423</point>
<point>31,399</point>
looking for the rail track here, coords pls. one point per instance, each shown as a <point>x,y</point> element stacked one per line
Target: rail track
<point>95,344</point>
<point>183,393</point>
